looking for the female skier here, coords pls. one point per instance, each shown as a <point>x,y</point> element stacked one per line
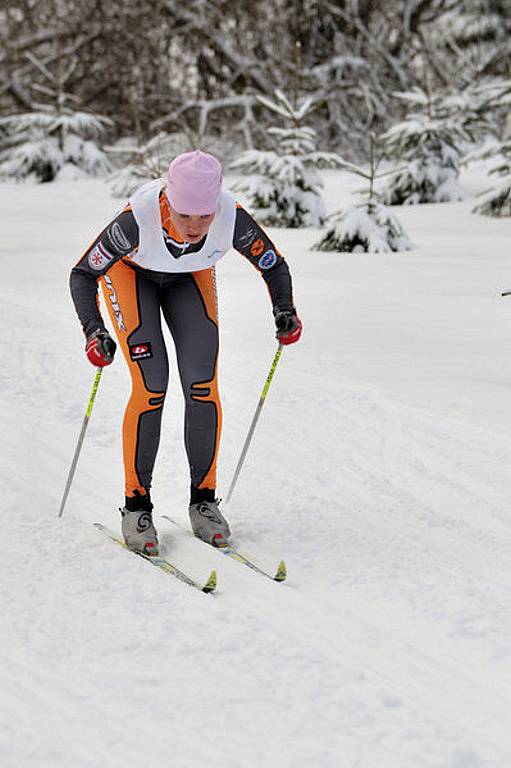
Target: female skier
<point>157,258</point>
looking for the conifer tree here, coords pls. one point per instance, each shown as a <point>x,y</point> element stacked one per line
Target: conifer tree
<point>54,140</point>
<point>497,200</point>
<point>431,140</point>
<point>367,226</point>
<point>284,186</point>
<point>137,163</point>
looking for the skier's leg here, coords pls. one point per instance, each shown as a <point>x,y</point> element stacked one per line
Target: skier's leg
<point>134,308</point>
<point>190,309</point>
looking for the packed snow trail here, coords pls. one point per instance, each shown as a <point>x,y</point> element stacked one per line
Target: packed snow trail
<point>379,470</point>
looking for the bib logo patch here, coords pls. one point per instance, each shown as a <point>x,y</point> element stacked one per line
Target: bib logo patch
<point>140,351</point>
<point>175,248</point>
<point>268,259</point>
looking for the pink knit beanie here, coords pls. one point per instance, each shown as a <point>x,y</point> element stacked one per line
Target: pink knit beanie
<point>194,181</point>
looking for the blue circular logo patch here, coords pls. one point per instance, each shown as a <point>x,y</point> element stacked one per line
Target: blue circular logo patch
<point>268,260</point>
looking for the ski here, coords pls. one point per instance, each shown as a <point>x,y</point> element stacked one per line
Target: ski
<point>235,554</point>
<point>163,564</point>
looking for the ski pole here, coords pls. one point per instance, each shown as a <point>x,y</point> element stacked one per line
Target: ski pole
<point>254,421</point>
<point>70,476</point>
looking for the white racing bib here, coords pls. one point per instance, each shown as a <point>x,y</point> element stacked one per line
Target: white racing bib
<point>153,253</point>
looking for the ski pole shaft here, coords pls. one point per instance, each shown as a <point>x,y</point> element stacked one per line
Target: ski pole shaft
<point>70,476</point>
<point>254,421</point>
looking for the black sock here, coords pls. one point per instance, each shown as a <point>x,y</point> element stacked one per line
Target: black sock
<point>201,494</point>
<point>139,502</point>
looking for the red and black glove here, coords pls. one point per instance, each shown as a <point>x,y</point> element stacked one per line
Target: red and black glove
<point>289,325</point>
<point>100,348</point>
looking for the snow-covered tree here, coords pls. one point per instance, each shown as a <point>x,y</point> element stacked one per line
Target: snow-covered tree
<point>136,163</point>
<point>431,140</point>
<point>46,145</point>
<point>368,226</point>
<point>496,98</point>
<point>54,140</point>
<point>364,228</point>
<point>202,62</point>
<point>473,38</point>
<point>284,185</point>
<point>497,200</point>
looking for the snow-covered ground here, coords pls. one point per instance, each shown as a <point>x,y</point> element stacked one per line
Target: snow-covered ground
<point>380,469</point>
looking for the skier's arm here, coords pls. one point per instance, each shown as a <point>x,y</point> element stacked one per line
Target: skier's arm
<point>118,239</point>
<point>252,242</point>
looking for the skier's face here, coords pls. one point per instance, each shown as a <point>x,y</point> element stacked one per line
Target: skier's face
<point>191,228</point>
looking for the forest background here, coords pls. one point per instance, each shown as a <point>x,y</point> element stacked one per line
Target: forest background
<point>195,69</point>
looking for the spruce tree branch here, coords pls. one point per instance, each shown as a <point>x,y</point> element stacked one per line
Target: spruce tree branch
<point>220,44</point>
<point>377,46</point>
<point>432,58</point>
<point>40,66</point>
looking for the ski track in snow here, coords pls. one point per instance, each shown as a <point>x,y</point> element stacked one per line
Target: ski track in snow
<point>385,488</point>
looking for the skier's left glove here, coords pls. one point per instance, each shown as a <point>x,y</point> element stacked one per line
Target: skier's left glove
<point>100,348</point>
<point>289,325</point>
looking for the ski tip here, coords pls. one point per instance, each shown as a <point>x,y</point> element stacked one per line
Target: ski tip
<point>281,574</point>
<point>211,583</point>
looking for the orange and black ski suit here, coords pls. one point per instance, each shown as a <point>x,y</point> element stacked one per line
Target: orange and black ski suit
<point>136,298</point>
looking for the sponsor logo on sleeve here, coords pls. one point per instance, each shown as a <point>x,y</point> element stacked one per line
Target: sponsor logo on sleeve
<point>247,238</point>
<point>118,238</point>
<point>99,257</point>
<point>257,248</point>
<point>141,351</point>
<point>268,259</point>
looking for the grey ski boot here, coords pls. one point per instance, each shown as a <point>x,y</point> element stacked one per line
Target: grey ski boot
<point>138,527</point>
<point>208,523</point>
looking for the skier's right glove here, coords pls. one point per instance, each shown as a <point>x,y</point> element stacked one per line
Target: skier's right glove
<point>288,325</point>
<point>100,348</point>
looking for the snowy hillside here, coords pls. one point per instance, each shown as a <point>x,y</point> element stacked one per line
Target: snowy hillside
<point>380,470</point>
